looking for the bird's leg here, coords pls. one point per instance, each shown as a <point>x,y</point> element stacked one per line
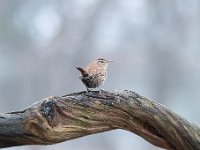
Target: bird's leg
<point>100,90</point>
<point>88,90</point>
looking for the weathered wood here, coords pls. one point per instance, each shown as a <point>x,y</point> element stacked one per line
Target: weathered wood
<point>57,119</point>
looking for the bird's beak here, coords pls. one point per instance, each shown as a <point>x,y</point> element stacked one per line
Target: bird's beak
<point>110,61</point>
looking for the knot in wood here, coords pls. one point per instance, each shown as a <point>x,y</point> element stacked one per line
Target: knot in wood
<point>48,110</point>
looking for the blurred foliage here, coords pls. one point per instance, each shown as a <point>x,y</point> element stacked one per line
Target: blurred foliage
<point>155,45</point>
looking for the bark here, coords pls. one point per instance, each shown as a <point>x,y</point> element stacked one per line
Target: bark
<point>57,119</point>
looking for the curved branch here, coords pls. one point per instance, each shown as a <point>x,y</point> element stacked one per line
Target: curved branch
<point>57,119</point>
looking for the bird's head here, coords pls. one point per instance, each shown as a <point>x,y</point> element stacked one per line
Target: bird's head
<point>102,62</point>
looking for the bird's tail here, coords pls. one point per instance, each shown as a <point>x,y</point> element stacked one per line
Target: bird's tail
<point>83,72</point>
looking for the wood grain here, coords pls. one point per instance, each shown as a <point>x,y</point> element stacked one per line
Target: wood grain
<point>61,118</point>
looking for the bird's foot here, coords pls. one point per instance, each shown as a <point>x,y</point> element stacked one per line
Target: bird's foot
<point>88,90</point>
<point>100,90</point>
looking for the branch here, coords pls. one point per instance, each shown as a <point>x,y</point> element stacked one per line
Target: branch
<point>57,119</point>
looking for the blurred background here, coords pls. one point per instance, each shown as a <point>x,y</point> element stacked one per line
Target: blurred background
<point>155,45</point>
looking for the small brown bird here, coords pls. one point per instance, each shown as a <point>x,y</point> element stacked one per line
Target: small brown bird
<point>94,74</point>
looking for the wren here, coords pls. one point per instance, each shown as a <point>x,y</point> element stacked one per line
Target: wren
<point>94,75</point>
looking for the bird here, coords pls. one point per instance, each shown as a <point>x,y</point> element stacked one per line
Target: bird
<point>94,75</point>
